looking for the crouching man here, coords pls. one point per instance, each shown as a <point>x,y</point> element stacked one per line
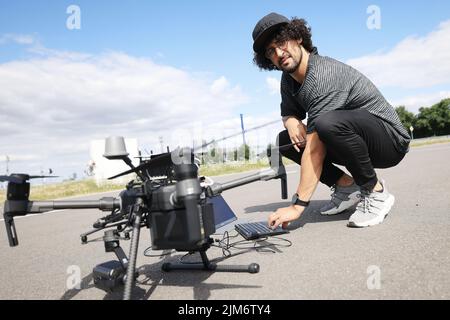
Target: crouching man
<point>349,123</point>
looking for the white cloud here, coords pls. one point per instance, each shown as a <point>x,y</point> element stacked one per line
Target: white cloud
<point>53,105</point>
<point>22,39</point>
<point>273,84</point>
<point>416,62</point>
<point>413,103</point>
<point>219,85</point>
<point>19,157</point>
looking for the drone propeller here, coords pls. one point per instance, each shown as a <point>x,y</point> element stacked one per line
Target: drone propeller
<point>157,160</point>
<point>36,177</point>
<point>21,177</point>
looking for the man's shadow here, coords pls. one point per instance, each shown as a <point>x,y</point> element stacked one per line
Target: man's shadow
<point>152,276</point>
<point>310,215</point>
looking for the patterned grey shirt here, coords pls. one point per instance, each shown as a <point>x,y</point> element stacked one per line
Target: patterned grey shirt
<point>332,85</point>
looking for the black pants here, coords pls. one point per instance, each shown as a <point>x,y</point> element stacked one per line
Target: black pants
<point>355,139</point>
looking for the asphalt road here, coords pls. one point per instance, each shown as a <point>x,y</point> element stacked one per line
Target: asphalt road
<point>406,257</point>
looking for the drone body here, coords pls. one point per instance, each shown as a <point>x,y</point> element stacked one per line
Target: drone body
<point>166,197</point>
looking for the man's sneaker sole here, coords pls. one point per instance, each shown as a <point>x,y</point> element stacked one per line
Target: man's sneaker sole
<point>332,212</point>
<point>377,220</point>
<point>338,212</point>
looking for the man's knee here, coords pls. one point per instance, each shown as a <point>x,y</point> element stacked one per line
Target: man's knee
<point>282,140</point>
<point>327,125</point>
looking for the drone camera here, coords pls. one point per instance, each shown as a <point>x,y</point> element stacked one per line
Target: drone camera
<point>109,275</point>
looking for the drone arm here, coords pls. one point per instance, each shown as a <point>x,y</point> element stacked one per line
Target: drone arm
<point>263,175</point>
<point>104,204</point>
<point>15,208</point>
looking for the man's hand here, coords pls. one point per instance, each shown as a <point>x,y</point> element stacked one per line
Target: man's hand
<point>285,215</point>
<point>297,132</point>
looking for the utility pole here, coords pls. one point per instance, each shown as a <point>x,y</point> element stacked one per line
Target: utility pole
<point>242,127</point>
<point>42,173</point>
<point>161,143</point>
<point>7,165</point>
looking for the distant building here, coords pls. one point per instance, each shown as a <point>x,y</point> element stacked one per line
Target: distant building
<point>101,168</point>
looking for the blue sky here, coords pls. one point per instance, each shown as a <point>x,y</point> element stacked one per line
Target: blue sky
<point>213,36</point>
<point>210,42</point>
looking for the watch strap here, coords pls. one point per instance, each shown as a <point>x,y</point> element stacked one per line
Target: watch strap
<point>300,202</point>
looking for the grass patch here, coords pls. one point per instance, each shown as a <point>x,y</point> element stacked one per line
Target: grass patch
<point>231,167</point>
<point>219,169</point>
<point>65,189</point>
<point>428,142</point>
<point>88,186</point>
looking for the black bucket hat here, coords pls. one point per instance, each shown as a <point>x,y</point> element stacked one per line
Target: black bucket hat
<point>265,28</point>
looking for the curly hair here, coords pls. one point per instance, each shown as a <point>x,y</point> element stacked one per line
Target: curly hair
<point>297,29</point>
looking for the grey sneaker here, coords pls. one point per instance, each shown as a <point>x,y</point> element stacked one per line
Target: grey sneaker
<point>342,198</point>
<point>372,208</point>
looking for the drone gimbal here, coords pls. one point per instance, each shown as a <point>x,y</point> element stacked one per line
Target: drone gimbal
<point>166,197</point>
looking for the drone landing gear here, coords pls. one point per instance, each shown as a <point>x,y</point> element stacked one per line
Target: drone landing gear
<point>207,265</point>
<point>111,274</point>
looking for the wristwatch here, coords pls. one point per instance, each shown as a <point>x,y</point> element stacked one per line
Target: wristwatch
<point>296,201</point>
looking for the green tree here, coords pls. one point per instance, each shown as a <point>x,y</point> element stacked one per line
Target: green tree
<point>244,152</point>
<point>407,118</point>
<point>213,154</point>
<point>434,120</point>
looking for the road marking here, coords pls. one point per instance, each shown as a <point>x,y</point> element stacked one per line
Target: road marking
<point>38,214</point>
